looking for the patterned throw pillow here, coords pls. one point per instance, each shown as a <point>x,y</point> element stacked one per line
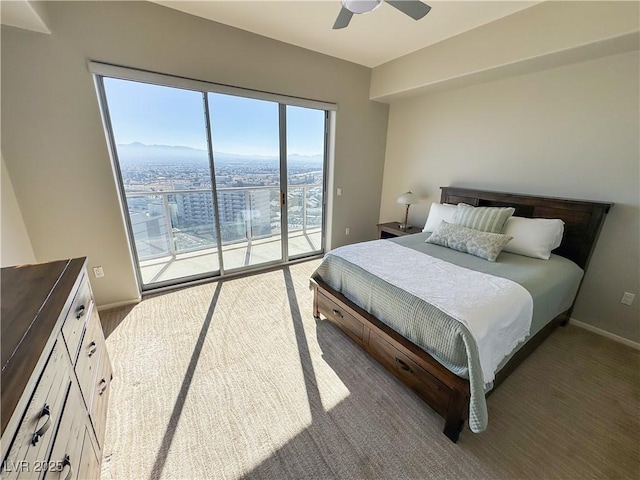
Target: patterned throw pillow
<point>486,219</point>
<point>481,244</point>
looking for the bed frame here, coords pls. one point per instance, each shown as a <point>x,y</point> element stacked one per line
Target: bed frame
<point>444,391</point>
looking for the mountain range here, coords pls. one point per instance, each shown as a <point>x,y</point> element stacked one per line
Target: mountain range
<point>168,154</point>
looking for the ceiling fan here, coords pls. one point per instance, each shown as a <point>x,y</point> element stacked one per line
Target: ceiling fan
<point>414,8</point>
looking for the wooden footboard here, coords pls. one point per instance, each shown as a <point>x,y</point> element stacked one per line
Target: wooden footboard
<point>442,390</point>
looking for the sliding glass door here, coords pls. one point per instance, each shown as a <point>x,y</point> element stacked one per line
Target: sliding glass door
<point>306,140</point>
<point>245,135</point>
<point>160,138</point>
<point>214,183</point>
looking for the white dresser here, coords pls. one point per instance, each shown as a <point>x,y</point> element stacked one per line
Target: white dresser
<point>56,373</point>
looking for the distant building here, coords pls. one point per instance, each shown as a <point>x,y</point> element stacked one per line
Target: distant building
<point>150,234</point>
<point>239,211</point>
<point>156,207</point>
<point>194,209</point>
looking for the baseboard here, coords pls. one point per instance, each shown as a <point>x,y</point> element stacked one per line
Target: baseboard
<point>124,303</point>
<point>604,333</point>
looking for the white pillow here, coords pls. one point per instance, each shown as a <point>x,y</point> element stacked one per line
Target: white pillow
<point>533,237</point>
<point>437,213</point>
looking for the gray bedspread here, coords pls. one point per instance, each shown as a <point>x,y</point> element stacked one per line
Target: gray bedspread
<point>552,284</point>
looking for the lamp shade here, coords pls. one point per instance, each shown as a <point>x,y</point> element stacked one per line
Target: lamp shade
<point>408,198</point>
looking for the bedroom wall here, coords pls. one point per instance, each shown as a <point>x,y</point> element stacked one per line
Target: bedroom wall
<point>15,246</point>
<point>570,132</point>
<point>546,35</point>
<point>53,139</point>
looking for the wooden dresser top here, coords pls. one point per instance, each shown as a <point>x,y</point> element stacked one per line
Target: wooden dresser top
<point>32,299</point>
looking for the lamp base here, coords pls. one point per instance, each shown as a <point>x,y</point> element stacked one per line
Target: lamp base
<point>405,225</point>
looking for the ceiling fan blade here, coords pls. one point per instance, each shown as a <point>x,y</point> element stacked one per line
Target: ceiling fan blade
<point>414,8</point>
<point>344,17</point>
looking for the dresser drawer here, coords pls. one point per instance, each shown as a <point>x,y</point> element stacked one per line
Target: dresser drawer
<point>89,356</point>
<point>28,455</point>
<point>339,315</point>
<point>74,323</point>
<point>67,449</point>
<point>410,372</point>
<point>89,462</point>
<point>101,390</point>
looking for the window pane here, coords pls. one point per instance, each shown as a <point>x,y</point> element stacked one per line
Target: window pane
<point>246,152</point>
<point>305,167</point>
<point>160,137</point>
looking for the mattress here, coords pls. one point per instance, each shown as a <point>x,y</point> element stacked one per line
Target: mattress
<point>551,283</point>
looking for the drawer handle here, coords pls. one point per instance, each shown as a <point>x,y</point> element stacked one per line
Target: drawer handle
<point>403,365</point>
<point>42,430</point>
<point>103,382</point>
<point>337,313</point>
<point>66,462</point>
<point>93,348</point>
<point>80,312</point>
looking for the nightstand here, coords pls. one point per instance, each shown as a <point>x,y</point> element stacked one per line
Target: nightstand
<point>392,229</point>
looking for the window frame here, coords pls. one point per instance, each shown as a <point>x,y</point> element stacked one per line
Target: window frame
<point>103,70</point>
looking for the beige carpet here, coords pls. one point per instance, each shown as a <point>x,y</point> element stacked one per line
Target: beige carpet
<point>237,380</point>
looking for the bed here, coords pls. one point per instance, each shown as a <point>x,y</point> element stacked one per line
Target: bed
<point>424,347</point>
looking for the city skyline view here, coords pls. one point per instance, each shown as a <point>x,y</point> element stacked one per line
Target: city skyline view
<point>161,167</point>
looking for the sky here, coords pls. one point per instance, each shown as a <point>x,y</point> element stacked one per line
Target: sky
<point>158,115</point>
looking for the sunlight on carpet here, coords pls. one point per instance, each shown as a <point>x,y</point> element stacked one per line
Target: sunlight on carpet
<point>183,357</point>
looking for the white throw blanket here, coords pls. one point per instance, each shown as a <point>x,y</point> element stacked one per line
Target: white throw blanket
<point>496,311</point>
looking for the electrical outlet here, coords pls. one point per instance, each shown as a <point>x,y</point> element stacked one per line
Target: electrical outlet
<point>627,298</point>
<point>98,272</point>
<point>339,193</point>
<point>347,231</point>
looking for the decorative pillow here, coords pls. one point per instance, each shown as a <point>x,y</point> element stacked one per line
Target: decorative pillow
<point>486,219</point>
<point>439,212</point>
<point>481,244</point>
<point>533,237</point>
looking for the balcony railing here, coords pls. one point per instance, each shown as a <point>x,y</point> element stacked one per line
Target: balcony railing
<point>167,223</point>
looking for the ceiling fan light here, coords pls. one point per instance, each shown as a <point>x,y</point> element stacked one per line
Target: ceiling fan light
<point>361,6</point>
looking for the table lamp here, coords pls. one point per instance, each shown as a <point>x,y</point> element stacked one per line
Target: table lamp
<point>407,199</point>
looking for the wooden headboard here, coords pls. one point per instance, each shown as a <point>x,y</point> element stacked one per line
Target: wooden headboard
<point>582,219</point>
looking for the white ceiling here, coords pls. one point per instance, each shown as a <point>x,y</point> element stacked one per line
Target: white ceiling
<point>22,14</point>
<point>370,39</point>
